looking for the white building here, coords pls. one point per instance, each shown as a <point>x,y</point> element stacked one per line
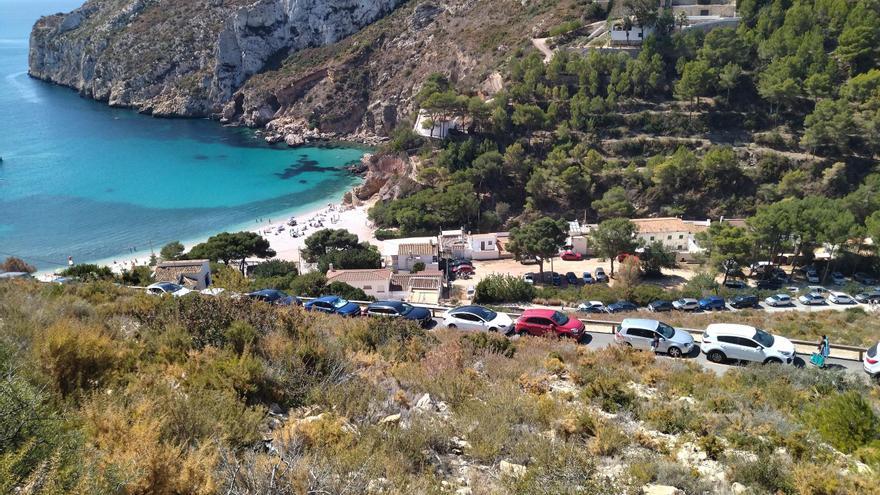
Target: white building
<point>484,246</point>
<point>675,234</point>
<point>408,254</point>
<point>382,283</point>
<point>374,282</point>
<point>634,36</point>
<point>439,130</point>
<point>578,238</point>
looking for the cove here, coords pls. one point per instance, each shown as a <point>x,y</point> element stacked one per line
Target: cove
<point>81,179</point>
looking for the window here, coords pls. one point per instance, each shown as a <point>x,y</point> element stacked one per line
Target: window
<point>467,317</point>
<point>368,287</point>
<point>727,340</point>
<point>640,332</point>
<point>704,11</point>
<point>669,237</point>
<point>747,342</point>
<point>678,248</point>
<point>652,238</point>
<point>681,236</point>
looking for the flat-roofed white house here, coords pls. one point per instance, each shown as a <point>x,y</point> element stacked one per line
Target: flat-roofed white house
<point>578,238</point>
<point>408,254</point>
<point>484,246</point>
<point>192,274</point>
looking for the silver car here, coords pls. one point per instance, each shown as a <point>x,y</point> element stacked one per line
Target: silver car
<point>639,333</point>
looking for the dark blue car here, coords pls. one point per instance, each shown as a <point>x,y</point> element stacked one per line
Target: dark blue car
<point>712,303</point>
<point>398,309</point>
<point>621,306</point>
<point>274,296</point>
<point>334,305</point>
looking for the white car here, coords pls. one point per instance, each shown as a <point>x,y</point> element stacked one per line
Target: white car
<point>592,307</point>
<point>478,318</point>
<point>777,300</point>
<point>871,362</point>
<point>728,341</point>
<point>686,304</point>
<point>811,299</point>
<point>471,291</point>
<point>529,279</point>
<point>818,289</point>
<point>813,277</point>
<point>841,298</point>
<point>160,288</point>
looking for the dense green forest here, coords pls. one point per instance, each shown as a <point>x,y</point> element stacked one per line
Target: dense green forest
<point>697,124</point>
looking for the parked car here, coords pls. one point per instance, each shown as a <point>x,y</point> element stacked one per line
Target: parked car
<point>871,362</point>
<point>160,288</point>
<point>812,277</point>
<point>745,301</point>
<point>599,272</point>
<point>621,306</point>
<point>556,279</point>
<point>592,307</point>
<point>728,341</point>
<point>837,278</point>
<point>686,304</point>
<point>868,297</point>
<point>459,270</point>
<point>478,318</point>
<point>274,296</point>
<point>841,298</point>
<point>864,278</point>
<point>735,284</point>
<point>818,289</point>
<point>333,305</point>
<point>571,278</point>
<point>588,279</point>
<point>660,306</point>
<point>811,299</point>
<point>529,279</point>
<point>777,300</point>
<point>639,334</point>
<point>571,256</point>
<point>768,284</point>
<point>550,323</point>
<point>471,292</point>
<point>398,309</point>
<point>712,303</point>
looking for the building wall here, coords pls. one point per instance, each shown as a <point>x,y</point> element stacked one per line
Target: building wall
<point>405,263</point>
<point>375,288</point>
<point>676,241</point>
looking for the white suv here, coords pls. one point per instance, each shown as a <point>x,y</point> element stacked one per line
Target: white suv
<point>871,362</point>
<point>728,341</point>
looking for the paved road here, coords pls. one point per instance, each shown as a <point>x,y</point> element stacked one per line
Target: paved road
<point>599,340</point>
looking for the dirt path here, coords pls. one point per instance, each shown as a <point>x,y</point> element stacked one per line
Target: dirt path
<point>541,45</point>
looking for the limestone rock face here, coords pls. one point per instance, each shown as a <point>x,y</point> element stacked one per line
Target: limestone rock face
<point>184,57</point>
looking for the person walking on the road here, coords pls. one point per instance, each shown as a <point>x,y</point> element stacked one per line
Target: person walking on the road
<point>655,344</point>
<point>824,347</point>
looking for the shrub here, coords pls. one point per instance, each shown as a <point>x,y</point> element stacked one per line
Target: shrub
<point>77,357</point>
<point>606,386</point>
<point>503,288</point>
<point>417,267</point>
<point>770,473</point>
<point>845,420</point>
<point>346,291</point>
<point>88,272</point>
<point>486,343</point>
<point>240,335</point>
<point>669,418</point>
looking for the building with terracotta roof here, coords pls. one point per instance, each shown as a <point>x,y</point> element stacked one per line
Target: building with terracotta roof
<point>383,283</point>
<point>192,274</point>
<point>675,234</point>
<point>374,282</point>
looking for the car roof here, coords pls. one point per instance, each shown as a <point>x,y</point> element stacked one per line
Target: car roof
<point>546,313</point>
<point>471,308</point>
<point>688,299</point>
<point>781,296</point>
<point>712,297</point>
<point>839,294</point>
<point>387,304</point>
<point>640,323</point>
<point>734,329</point>
<point>326,299</point>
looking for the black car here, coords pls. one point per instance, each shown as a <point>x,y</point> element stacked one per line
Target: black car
<point>621,306</point>
<point>745,301</point>
<point>735,284</point>
<point>398,309</point>
<point>660,306</point>
<point>572,279</point>
<point>769,284</point>
<point>274,296</point>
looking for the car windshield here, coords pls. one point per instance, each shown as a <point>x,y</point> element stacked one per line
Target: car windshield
<point>485,314</point>
<point>763,338</point>
<point>405,308</point>
<point>665,330</point>
<point>559,318</point>
<point>339,303</point>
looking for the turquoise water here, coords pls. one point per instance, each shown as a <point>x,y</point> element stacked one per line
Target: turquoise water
<point>81,179</point>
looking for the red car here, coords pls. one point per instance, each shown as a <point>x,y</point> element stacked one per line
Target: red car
<point>550,323</point>
<point>572,256</point>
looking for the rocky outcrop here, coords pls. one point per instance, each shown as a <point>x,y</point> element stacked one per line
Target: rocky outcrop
<point>185,57</point>
<point>386,175</point>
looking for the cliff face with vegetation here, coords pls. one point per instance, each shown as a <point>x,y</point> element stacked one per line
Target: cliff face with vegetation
<point>184,58</point>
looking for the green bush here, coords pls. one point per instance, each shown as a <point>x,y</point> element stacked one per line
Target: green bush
<point>503,288</point>
<point>769,473</point>
<point>486,343</point>
<point>845,420</point>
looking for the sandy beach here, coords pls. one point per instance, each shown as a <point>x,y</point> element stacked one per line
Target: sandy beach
<point>277,231</point>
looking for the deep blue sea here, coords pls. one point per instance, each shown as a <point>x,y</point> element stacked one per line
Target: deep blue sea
<point>81,179</point>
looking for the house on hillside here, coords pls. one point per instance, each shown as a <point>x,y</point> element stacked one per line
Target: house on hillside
<point>423,287</point>
<point>628,33</point>
<point>578,238</point>
<point>192,274</point>
<point>676,234</point>
<point>484,246</point>
<point>408,254</point>
<point>374,282</point>
<point>437,129</point>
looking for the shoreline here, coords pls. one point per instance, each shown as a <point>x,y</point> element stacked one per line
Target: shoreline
<point>333,215</point>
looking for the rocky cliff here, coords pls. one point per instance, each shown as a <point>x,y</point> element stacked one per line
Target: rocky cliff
<point>300,69</point>
<point>184,57</point>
